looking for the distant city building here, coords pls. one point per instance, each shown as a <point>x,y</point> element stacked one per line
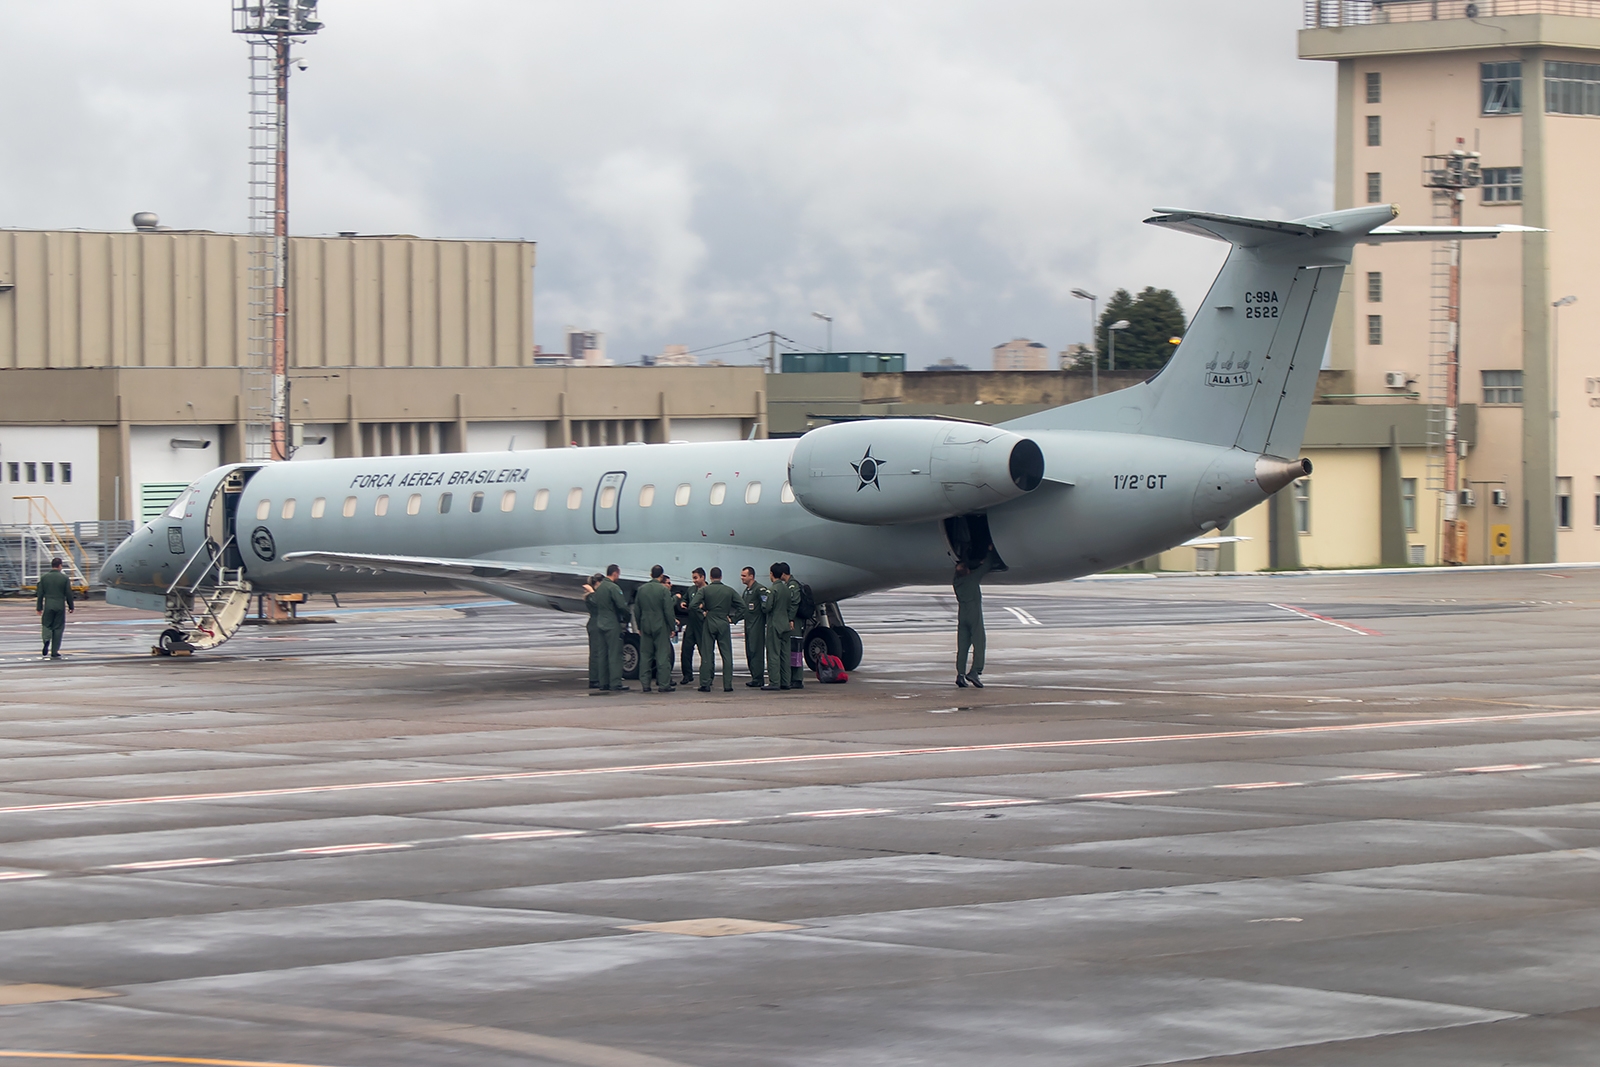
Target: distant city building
<point>586,348</point>
<point>948,364</point>
<point>676,356</point>
<point>541,358</point>
<point>1076,355</point>
<point>1021,354</point>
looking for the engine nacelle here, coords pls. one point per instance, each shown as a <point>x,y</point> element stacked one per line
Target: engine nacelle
<point>885,471</point>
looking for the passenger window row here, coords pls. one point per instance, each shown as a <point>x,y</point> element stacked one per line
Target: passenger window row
<point>508,500</point>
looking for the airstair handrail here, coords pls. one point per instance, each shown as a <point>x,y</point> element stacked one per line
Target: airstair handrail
<point>215,560</point>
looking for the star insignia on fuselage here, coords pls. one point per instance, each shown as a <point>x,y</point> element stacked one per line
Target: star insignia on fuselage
<point>867,471</point>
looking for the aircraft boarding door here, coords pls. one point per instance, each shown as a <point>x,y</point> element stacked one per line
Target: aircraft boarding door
<point>223,514</point>
<point>607,502</point>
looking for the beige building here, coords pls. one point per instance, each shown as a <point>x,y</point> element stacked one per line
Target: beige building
<point>124,363</point>
<point>1022,354</point>
<point>1518,82</point>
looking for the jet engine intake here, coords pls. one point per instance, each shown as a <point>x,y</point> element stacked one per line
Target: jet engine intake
<point>886,471</point>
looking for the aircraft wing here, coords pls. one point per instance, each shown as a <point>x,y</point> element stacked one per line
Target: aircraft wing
<point>550,579</point>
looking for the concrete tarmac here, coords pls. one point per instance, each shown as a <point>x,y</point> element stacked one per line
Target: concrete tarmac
<point>1254,820</point>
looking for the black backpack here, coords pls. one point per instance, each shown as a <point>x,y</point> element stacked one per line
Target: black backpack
<point>808,603</point>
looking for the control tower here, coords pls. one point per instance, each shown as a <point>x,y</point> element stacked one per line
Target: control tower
<point>1516,84</point>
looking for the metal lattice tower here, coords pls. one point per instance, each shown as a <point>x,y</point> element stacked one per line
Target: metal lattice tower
<point>270,26</point>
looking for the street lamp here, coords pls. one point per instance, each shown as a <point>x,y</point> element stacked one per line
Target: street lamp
<point>1111,342</point>
<point>829,320</point>
<point>1555,390</point>
<point>1094,320</point>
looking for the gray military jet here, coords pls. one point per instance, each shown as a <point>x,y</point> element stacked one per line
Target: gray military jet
<point>852,506</point>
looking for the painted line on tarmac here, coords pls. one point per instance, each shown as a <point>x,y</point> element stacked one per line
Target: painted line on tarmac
<point>118,1057</point>
<point>781,761</point>
<point>372,847</point>
<point>1303,613</point>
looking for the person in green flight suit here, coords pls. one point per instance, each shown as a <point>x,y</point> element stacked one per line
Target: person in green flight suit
<point>755,627</point>
<point>592,627</point>
<point>969,617</point>
<point>52,600</point>
<point>611,606</point>
<point>653,605</point>
<point>796,632</point>
<point>691,627</point>
<point>779,610</point>
<point>716,605</point>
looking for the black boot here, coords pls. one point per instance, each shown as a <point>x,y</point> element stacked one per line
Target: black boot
<point>961,681</point>
<point>973,678</point>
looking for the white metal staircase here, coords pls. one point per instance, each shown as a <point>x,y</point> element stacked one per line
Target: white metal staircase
<point>209,610</point>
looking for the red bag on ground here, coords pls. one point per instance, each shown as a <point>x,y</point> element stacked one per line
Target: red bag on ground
<point>831,669</point>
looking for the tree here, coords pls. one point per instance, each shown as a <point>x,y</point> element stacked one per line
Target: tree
<point>1154,318</point>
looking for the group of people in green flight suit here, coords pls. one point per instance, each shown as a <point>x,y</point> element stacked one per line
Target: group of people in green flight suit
<point>53,600</point>
<point>771,629</point>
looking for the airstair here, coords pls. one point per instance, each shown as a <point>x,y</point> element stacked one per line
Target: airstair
<point>44,537</point>
<point>208,610</point>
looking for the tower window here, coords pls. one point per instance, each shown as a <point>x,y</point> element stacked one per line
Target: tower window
<point>1374,87</point>
<point>1502,387</point>
<point>1374,286</point>
<point>1572,88</point>
<point>1408,503</point>
<point>1374,131</point>
<point>1374,329</point>
<point>1501,88</point>
<point>1302,506</point>
<point>1374,187</point>
<point>1502,185</point>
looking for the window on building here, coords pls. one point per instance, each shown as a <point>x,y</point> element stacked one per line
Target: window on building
<point>719,493</point>
<point>1502,185</point>
<point>33,471</point>
<point>574,498</point>
<point>1374,329</point>
<point>786,494</point>
<point>1564,503</point>
<point>444,502</point>
<point>647,495</point>
<point>49,471</point>
<point>477,503</point>
<point>1374,131</point>
<point>752,493</point>
<point>1374,187</point>
<point>1302,506</point>
<point>381,505</point>
<point>66,473</point>
<point>1408,503</point>
<point>349,507</point>
<point>414,504</point>
<point>1501,88</point>
<point>318,507</point>
<point>1502,387</point>
<point>541,500</point>
<point>1374,87</point>
<point>263,509</point>
<point>1375,286</point>
<point>1572,88</point>
<point>681,497</point>
<point>1597,501</point>
<point>15,471</point>
<point>508,500</point>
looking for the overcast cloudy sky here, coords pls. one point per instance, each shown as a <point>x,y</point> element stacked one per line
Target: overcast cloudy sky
<point>937,175</point>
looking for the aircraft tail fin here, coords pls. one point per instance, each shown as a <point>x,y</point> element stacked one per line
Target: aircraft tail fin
<point>1246,372</point>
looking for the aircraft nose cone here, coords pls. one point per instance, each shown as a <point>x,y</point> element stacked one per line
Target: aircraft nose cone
<point>1274,472</point>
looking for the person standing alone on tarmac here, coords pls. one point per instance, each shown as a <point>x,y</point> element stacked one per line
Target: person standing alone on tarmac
<point>653,604</point>
<point>755,627</point>
<point>691,628</point>
<point>969,618</point>
<point>52,600</point>
<point>779,610</point>
<point>717,605</point>
<point>610,607</point>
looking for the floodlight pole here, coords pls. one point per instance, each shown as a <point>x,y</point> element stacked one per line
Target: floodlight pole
<point>1094,328</point>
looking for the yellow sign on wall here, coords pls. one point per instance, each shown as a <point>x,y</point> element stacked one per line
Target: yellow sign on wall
<point>1500,540</point>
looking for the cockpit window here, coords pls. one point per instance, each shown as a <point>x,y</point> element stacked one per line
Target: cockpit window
<point>180,506</point>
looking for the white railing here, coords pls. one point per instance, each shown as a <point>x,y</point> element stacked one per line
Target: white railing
<point>1320,13</point>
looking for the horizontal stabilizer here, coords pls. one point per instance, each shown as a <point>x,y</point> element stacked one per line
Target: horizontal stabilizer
<point>1391,234</point>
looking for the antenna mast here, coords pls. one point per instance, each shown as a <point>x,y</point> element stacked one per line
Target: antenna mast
<point>1450,175</point>
<point>270,26</point>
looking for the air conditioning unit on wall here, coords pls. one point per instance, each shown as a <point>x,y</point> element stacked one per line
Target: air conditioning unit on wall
<point>1397,379</point>
<point>1498,498</point>
<point>1469,499</point>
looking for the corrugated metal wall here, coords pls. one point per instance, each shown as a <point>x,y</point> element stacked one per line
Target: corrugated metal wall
<point>180,299</point>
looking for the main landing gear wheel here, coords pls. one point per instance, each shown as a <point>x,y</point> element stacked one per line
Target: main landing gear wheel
<point>630,657</point>
<point>821,640</point>
<point>850,642</point>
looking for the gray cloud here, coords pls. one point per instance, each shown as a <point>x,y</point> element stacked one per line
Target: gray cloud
<point>936,175</point>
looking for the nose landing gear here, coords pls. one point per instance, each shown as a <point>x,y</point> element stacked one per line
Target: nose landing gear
<point>831,636</point>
